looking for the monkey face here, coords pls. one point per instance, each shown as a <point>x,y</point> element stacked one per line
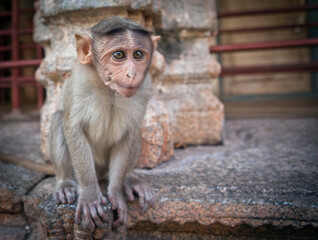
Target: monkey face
<point>122,61</point>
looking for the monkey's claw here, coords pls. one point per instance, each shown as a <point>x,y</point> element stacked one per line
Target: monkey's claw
<point>145,194</point>
<point>119,205</point>
<point>94,213</point>
<point>65,195</point>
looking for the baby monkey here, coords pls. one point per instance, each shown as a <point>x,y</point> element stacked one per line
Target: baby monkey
<point>96,133</point>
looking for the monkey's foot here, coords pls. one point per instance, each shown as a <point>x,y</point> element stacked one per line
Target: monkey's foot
<point>93,210</point>
<point>119,205</point>
<point>134,185</point>
<point>65,191</point>
<point>65,195</point>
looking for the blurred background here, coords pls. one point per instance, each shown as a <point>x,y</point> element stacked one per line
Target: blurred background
<point>268,51</point>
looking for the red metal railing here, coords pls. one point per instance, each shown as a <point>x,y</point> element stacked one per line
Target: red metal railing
<point>266,28</point>
<point>234,70</point>
<point>269,11</point>
<point>304,67</point>
<point>16,80</point>
<point>264,45</point>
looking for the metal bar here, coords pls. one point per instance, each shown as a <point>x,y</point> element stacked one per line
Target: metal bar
<point>15,56</point>
<point>40,89</point>
<point>269,11</point>
<point>265,28</point>
<point>19,79</point>
<point>5,32</point>
<point>263,45</point>
<point>23,46</point>
<point>20,63</point>
<point>5,84</point>
<point>265,97</point>
<point>5,48</point>
<point>301,67</point>
<point>5,14</point>
<point>20,31</point>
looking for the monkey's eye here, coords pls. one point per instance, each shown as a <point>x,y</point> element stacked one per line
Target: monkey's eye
<point>119,55</point>
<point>138,55</point>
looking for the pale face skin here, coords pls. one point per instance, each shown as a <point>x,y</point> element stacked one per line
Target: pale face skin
<point>122,61</point>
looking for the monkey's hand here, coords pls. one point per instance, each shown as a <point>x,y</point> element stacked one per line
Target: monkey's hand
<point>92,206</point>
<point>142,189</point>
<point>119,204</point>
<point>65,192</point>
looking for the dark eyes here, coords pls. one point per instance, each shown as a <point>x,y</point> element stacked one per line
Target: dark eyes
<point>121,55</point>
<point>138,55</point>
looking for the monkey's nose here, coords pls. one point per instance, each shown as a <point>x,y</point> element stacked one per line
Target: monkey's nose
<point>131,72</point>
<point>130,75</point>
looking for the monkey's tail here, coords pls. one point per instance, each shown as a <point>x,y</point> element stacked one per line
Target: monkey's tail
<point>47,169</point>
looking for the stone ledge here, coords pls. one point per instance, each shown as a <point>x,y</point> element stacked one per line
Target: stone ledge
<point>261,183</point>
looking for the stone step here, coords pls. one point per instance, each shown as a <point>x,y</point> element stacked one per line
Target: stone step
<point>262,183</point>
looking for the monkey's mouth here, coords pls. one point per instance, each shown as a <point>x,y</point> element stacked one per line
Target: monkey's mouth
<point>131,87</point>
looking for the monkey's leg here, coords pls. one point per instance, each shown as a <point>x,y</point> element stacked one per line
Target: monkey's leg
<point>120,165</point>
<point>65,183</point>
<point>91,200</point>
<point>134,185</point>
<point>123,158</point>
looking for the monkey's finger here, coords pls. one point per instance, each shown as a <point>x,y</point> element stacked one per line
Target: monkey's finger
<point>122,218</point>
<point>69,195</point>
<point>153,199</point>
<point>78,214</point>
<point>62,196</point>
<point>103,200</point>
<point>73,191</point>
<point>94,216</point>
<point>101,212</point>
<point>141,197</point>
<point>113,203</point>
<point>88,219</point>
<point>116,223</point>
<point>57,198</point>
<point>129,194</point>
<point>146,201</point>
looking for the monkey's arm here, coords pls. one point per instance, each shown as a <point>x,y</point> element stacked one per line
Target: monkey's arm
<point>45,168</point>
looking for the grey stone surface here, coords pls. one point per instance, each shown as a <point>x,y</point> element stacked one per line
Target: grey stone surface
<point>16,181</point>
<point>261,182</point>
<point>54,7</point>
<point>266,173</point>
<point>188,14</point>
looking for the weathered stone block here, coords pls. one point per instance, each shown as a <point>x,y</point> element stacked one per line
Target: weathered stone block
<point>188,60</point>
<point>197,115</point>
<point>190,14</point>
<point>58,222</point>
<point>12,233</point>
<point>157,143</point>
<point>12,220</point>
<point>53,7</point>
<point>36,196</point>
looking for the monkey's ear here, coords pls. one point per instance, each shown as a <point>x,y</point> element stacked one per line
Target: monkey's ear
<point>155,40</point>
<point>83,48</point>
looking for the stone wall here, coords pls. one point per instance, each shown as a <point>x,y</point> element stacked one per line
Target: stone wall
<point>183,71</point>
